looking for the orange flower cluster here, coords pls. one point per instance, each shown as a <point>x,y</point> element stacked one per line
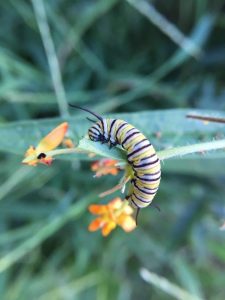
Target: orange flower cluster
<point>104,167</point>
<point>116,212</point>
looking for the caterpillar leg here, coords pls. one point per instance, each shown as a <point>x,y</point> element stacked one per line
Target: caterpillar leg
<point>107,141</point>
<point>111,145</point>
<point>137,214</point>
<point>156,207</point>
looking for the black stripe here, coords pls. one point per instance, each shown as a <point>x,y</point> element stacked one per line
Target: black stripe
<point>136,151</point>
<point>147,164</point>
<point>120,128</point>
<point>144,201</point>
<point>97,128</point>
<point>147,157</point>
<point>131,129</point>
<point>140,142</point>
<point>129,136</point>
<point>143,191</point>
<point>94,133</point>
<point>133,201</point>
<point>151,174</point>
<point>156,173</point>
<point>150,189</point>
<point>103,131</point>
<point>94,136</point>
<point>149,180</point>
<point>111,126</point>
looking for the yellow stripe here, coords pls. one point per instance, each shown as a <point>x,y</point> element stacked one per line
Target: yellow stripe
<point>140,203</point>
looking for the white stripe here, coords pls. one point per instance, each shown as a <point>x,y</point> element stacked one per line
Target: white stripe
<point>146,190</point>
<point>105,129</point>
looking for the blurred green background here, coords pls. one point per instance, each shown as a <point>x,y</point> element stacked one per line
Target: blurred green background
<point>114,57</point>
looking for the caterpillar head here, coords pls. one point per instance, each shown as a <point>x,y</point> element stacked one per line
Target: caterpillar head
<point>95,133</point>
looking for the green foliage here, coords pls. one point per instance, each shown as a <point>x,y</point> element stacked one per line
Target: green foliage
<point>116,58</point>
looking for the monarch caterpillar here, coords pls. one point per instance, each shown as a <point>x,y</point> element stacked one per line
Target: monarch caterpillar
<point>140,155</point>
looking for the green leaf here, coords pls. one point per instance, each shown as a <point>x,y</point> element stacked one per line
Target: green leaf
<point>167,129</point>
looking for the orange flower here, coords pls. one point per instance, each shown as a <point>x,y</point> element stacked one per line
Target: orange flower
<point>116,212</point>
<point>33,155</point>
<point>105,166</point>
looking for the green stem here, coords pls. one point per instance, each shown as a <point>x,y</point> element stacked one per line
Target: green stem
<point>118,154</point>
<point>64,151</point>
<point>199,148</point>
<point>88,146</point>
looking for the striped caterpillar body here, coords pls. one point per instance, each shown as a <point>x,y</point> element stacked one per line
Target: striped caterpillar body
<point>140,155</point>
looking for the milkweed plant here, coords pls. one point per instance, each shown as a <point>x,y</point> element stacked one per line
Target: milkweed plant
<point>118,212</point>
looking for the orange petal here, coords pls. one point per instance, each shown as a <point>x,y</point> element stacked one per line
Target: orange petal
<point>53,139</point>
<point>95,224</point>
<point>115,204</point>
<point>126,222</point>
<point>97,209</point>
<point>108,227</point>
<point>95,166</point>
<point>30,160</point>
<point>47,160</point>
<point>104,167</point>
<point>113,171</point>
<point>128,210</point>
<point>106,171</point>
<point>30,151</point>
<point>110,162</point>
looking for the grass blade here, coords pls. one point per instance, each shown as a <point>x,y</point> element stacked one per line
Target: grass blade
<point>41,17</point>
<point>166,286</point>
